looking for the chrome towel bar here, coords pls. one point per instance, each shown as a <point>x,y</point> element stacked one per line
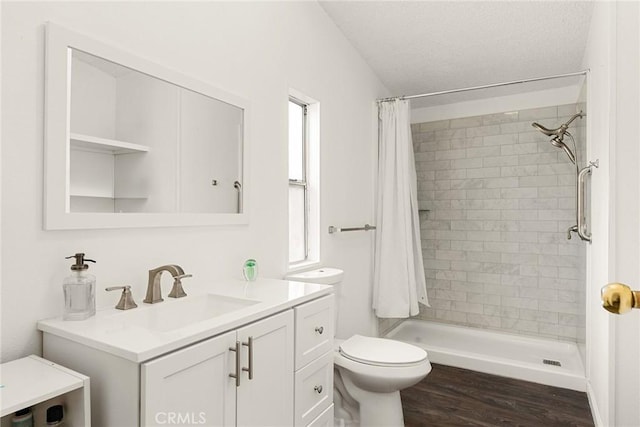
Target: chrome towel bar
<point>366,227</point>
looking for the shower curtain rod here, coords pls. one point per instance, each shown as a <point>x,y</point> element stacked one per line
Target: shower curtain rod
<point>444,92</point>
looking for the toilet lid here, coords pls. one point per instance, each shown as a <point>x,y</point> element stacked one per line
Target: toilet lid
<point>381,351</point>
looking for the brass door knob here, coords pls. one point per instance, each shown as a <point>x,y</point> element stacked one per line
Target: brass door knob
<point>618,298</point>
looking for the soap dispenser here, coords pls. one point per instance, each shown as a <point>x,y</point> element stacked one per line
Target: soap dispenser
<point>79,290</point>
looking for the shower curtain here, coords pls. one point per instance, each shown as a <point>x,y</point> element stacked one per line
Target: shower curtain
<point>398,281</point>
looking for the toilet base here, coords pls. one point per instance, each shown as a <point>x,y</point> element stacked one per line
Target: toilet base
<point>375,409</point>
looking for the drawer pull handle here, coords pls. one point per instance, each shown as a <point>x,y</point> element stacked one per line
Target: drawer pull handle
<point>319,329</point>
<point>318,389</point>
<point>236,349</point>
<point>250,368</point>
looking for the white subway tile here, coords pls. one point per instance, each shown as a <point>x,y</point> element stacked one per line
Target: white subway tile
<point>517,149</point>
<point>497,118</point>
<point>431,126</point>
<point>519,193</point>
<point>493,172</point>
<point>483,131</point>
<point>527,170</point>
<point>538,181</point>
<point>484,257</point>
<point>450,134</point>
<point>492,236</point>
<point>500,139</point>
<point>466,163</point>
<point>466,122</point>
<point>451,174</point>
<point>483,152</point>
<point>500,161</point>
<point>466,225</point>
<point>482,194</point>
<point>451,275</point>
<point>501,247</point>
<point>466,183</point>
<point>450,255</point>
<point>450,154</point>
<point>466,307</point>
<point>519,215</point>
<point>466,142</point>
<point>466,245</point>
<point>483,214</point>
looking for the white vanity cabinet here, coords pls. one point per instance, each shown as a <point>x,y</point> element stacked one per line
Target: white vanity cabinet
<point>314,363</point>
<point>193,385</point>
<point>279,342</point>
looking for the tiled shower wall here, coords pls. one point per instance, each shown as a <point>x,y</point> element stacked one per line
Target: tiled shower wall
<point>500,199</point>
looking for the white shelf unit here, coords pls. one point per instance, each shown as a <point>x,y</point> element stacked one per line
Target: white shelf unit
<point>104,145</point>
<point>36,383</point>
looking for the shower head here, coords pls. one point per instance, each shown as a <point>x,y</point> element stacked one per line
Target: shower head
<point>558,135</point>
<point>557,142</point>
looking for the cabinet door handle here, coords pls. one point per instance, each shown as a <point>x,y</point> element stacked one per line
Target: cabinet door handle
<point>250,368</point>
<point>319,329</point>
<point>318,389</point>
<point>236,349</point>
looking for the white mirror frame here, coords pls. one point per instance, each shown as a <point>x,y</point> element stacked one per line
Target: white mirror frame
<point>57,215</point>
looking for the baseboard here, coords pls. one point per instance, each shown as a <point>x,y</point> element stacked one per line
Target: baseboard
<point>593,404</point>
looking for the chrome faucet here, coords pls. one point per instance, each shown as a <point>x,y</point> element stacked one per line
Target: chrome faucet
<point>153,288</point>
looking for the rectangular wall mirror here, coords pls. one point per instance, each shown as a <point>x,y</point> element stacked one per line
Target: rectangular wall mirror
<point>130,143</point>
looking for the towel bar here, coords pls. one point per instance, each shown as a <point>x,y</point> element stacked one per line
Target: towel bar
<point>366,227</point>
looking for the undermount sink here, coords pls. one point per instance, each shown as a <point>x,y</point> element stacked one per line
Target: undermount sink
<point>172,315</point>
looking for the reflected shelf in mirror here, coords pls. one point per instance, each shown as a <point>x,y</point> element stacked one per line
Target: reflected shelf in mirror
<point>104,145</point>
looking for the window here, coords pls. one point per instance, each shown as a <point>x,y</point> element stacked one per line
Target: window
<point>298,186</point>
<point>303,181</point>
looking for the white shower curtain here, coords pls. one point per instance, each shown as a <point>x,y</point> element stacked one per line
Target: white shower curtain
<point>398,281</point>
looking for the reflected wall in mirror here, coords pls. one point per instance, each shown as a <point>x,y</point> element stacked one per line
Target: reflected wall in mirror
<point>130,143</point>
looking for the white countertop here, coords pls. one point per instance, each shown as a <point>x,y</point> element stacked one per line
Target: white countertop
<point>124,334</point>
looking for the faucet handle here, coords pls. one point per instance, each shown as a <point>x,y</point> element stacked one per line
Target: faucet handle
<point>126,299</point>
<point>177,291</point>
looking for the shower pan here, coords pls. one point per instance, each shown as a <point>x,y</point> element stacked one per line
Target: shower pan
<point>557,141</point>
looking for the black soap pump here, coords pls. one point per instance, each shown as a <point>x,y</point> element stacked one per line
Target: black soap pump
<point>79,290</point>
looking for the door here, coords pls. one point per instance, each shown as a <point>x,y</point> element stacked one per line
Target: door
<point>191,386</point>
<point>265,394</point>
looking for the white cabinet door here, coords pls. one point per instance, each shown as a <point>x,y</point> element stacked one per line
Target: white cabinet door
<point>191,386</point>
<point>267,398</point>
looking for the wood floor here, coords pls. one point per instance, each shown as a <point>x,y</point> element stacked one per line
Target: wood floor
<point>458,397</point>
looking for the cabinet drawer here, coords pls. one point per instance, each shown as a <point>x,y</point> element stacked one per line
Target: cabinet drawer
<point>313,389</point>
<point>324,420</point>
<point>314,329</point>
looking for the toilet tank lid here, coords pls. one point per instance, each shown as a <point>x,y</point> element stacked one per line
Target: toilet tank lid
<point>382,351</point>
<point>324,276</point>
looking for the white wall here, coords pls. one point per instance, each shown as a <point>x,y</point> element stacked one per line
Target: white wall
<point>625,215</point>
<point>255,50</point>
<point>613,352</point>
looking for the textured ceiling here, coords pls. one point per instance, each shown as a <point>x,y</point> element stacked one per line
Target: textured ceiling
<point>426,46</point>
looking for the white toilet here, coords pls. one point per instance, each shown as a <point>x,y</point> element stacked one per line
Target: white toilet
<point>369,372</point>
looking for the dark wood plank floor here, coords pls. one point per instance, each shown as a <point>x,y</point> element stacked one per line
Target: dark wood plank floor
<point>457,397</point>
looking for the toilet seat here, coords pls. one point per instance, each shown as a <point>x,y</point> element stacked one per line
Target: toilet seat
<point>381,352</point>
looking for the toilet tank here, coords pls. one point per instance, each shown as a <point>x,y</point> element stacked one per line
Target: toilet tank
<point>323,276</point>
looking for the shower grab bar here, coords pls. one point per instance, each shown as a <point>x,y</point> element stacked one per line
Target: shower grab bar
<point>581,226</point>
<point>366,227</point>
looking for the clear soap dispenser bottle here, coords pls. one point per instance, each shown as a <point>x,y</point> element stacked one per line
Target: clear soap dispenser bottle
<point>79,290</point>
